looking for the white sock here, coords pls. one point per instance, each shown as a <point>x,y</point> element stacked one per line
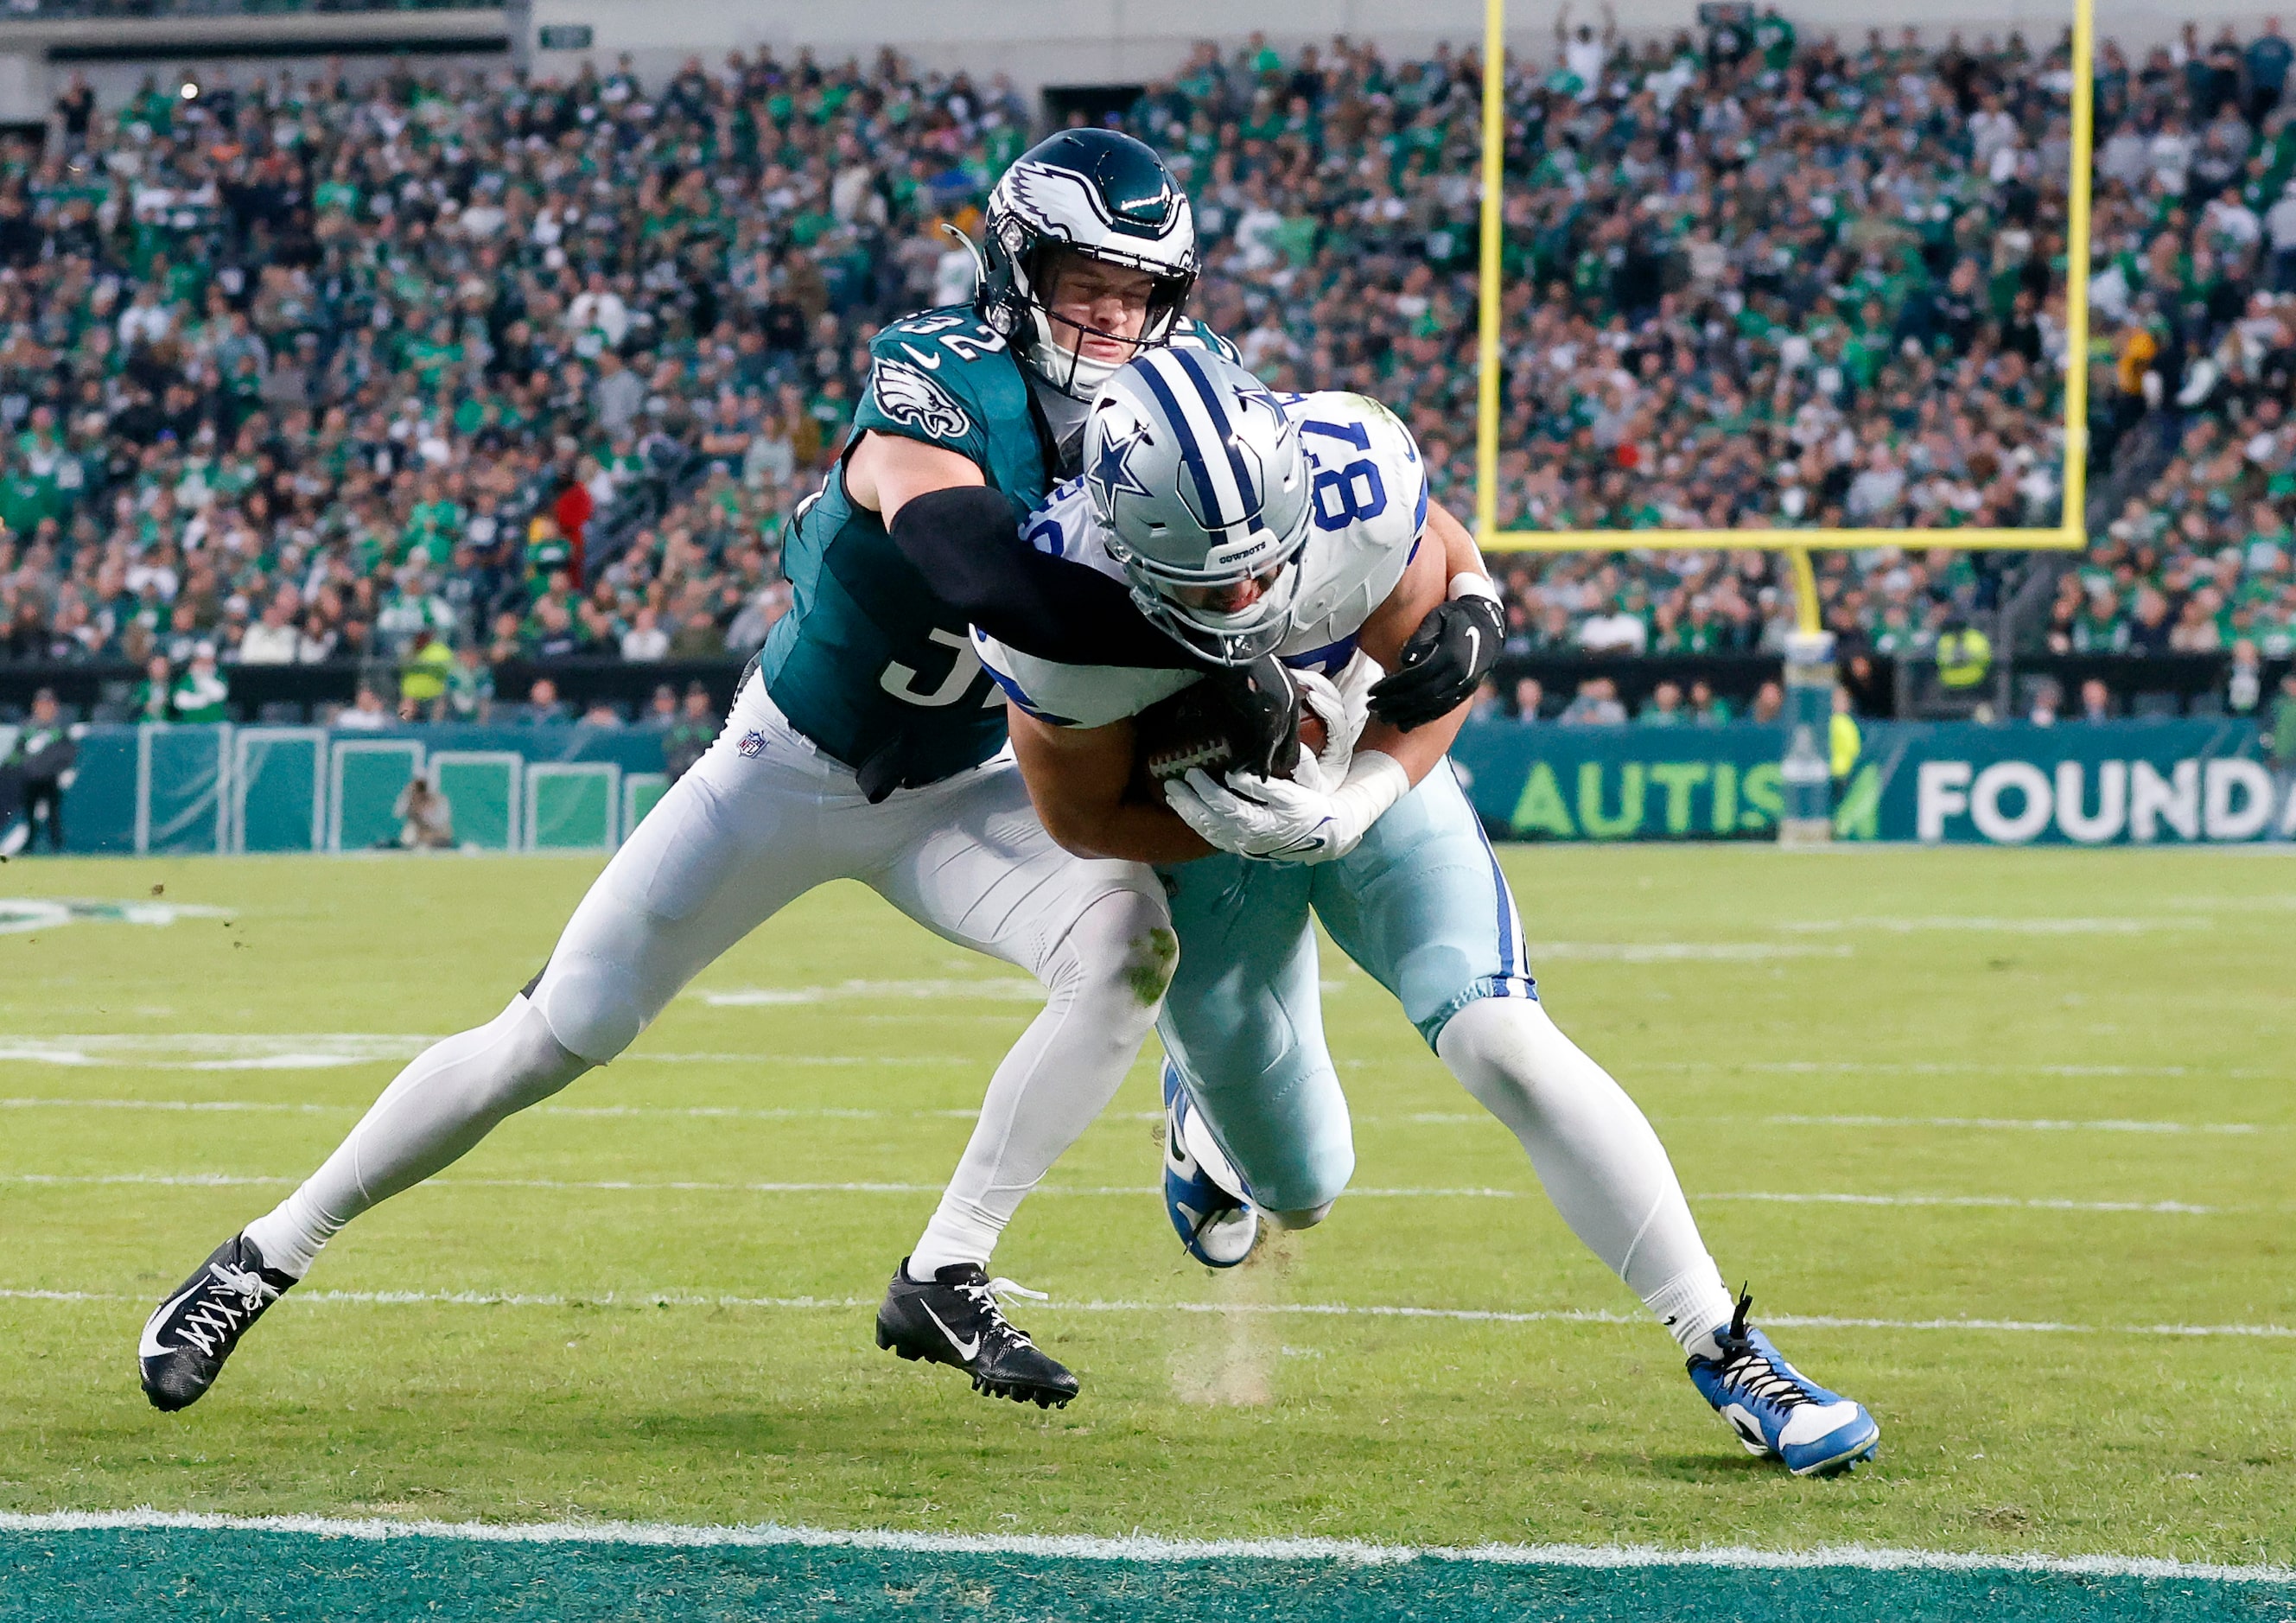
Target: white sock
<point>1595,1151</point>
<point>1696,1310</point>
<point>449,1096</point>
<point>291,1233</point>
<point>1058,1078</point>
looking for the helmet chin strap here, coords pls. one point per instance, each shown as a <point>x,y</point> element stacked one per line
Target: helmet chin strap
<point>1083,374</point>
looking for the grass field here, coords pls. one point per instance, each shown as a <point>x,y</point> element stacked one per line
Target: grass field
<point>2046,1093</point>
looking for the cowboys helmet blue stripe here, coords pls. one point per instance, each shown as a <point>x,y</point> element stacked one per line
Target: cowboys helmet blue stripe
<point>1217,411</point>
<point>1191,456</point>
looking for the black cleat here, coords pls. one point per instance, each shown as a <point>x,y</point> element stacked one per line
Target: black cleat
<point>189,1335</point>
<point>955,1321</point>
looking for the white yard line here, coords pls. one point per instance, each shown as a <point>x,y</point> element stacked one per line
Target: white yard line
<point>2167,1208</point>
<point>1129,1191</point>
<point>1679,952</point>
<point>1141,1547</point>
<point>1464,1315</point>
<point>1976,1124</point>
<point>1996,1124</point>
<point>1999,926</point>
<point>1011,989</point>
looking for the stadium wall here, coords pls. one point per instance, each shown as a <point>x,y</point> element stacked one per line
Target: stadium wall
<point>185,790</point>
<point>1087,42</point>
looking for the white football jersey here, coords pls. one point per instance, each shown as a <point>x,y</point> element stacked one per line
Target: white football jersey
<point>1369,510</point>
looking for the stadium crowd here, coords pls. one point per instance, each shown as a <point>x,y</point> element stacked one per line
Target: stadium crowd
<point>303,371</point>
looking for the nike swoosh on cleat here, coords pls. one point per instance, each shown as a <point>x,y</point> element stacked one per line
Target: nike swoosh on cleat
<point>1750,1432</point>
<point>968,1351</point>
<point>148,1347</point>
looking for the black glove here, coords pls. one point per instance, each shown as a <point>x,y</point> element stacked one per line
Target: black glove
<point>1444,662</point>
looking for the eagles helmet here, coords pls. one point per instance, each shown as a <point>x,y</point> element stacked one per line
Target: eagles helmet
<point>1105,196</point>
<point>1198,481</point>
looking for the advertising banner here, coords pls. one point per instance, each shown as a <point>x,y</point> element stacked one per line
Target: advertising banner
<point>2076,784</point>
<point>575,788</point>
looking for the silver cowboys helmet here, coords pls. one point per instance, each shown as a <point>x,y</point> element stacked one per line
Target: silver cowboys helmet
<point>1105,196</point>
<point>1198,481</point>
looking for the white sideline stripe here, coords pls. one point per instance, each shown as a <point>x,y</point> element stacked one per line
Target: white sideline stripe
<point>225,1180</point>
<point>1461,1315</point>
<point>1994,1124</point>
<point>1142,1547</point>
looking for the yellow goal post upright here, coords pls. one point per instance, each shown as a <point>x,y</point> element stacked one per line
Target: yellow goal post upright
<point>2069,534</point>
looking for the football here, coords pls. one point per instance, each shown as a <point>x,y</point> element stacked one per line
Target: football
<point>1250,719</point>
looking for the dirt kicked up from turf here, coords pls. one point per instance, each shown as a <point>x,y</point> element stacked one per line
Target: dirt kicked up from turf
<point>187,1573</point>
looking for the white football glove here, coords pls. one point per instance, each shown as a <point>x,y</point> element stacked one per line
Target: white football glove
<point>1271,820</point>
<point>1344,706</point>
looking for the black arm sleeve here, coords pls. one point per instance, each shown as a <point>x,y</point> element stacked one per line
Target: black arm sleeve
<point>966,542</point>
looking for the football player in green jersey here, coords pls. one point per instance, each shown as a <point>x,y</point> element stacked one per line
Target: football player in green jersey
<point>866,742</point>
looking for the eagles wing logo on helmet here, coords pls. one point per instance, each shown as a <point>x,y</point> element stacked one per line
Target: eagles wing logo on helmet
<point>906,395</point>
<point>1047,197</point>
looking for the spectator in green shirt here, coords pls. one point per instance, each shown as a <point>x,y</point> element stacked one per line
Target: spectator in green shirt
<point>201,694</point>
<point>153,694</point>
<point>1664,708</point>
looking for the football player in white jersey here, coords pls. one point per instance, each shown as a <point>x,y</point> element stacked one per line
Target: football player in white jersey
<point>1247,525</point>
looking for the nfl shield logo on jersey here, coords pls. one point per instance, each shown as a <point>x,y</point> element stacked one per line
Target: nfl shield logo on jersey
<point>752,744</point>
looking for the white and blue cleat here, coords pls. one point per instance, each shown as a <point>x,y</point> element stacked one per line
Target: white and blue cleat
<point>1203,1195</point>
<point>1776,1410</point>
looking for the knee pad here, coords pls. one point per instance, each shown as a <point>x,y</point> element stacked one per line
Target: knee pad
<point>590,1006</point>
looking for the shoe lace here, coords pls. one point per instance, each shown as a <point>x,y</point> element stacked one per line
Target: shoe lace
<point>218,1315</point>
<point>983,1294</point>
<point>1746,1367</point>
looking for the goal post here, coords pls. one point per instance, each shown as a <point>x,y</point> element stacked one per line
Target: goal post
<point>2069,534</point>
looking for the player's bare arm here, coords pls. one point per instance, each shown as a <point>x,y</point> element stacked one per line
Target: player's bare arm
<point>1080,779</point>
<point>1446,657</point>
<point>1426,580</point>
<point>887,472</point>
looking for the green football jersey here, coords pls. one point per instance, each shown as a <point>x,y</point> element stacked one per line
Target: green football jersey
<point>869,663</point>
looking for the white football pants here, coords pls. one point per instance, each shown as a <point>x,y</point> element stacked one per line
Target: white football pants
<point>760,820</point>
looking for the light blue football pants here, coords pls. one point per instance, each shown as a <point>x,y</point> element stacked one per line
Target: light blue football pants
<point>1420,904</point>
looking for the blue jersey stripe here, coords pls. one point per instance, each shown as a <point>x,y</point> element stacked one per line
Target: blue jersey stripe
<point>1013,691</point>
<point>1327,659</point>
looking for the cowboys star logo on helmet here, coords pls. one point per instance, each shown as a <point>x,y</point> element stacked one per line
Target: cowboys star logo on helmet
<point>907,394</point>
<point>1111,474</point>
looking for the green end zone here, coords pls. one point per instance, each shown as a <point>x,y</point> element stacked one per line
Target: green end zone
<point>111,1567</point>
